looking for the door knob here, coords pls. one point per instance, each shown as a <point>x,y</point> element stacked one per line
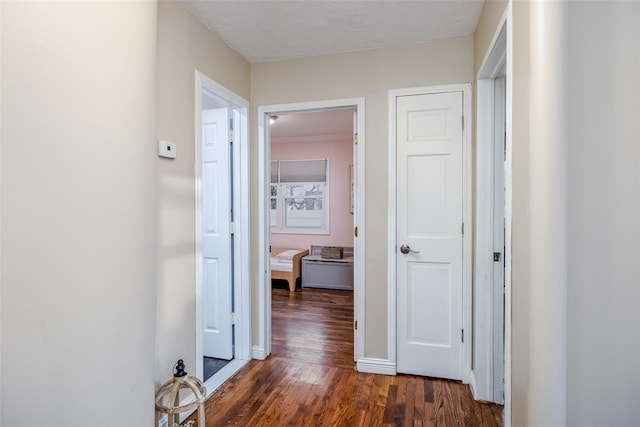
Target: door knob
<point>405,249</point>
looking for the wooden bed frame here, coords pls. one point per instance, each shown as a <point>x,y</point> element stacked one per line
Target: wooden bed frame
<point>289,276</point>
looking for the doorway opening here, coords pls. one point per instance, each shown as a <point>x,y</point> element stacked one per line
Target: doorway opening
<point>305,221</point>
<point>223,294</point>
<point>310,212</point>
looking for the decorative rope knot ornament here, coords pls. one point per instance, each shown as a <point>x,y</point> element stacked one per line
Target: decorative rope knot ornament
<point>182,393</point>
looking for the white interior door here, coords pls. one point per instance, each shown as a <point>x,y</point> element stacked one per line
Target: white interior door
<point>429,234</point>
<point>216,234</point>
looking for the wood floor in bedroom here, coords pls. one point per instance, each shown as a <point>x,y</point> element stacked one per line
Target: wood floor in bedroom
<point>310,378</point>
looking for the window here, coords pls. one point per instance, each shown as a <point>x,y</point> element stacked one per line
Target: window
<point>299,196</point>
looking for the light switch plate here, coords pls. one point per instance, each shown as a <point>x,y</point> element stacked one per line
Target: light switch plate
<point>166,149</point>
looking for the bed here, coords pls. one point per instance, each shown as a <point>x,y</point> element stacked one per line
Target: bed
<point>286,264</point>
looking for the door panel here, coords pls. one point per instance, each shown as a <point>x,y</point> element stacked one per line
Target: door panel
<point>429,293</point>
<point>212,320</point>
<point>426,203</point>
<point>216,240</point>
<point>429,220</point>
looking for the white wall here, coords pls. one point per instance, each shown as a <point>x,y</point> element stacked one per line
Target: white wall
<point>522,314</point>
<point>603,306</point>
<point>548,214</point>
<point>78,219</point>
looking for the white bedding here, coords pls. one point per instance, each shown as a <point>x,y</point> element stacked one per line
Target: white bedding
<point>280,264</point>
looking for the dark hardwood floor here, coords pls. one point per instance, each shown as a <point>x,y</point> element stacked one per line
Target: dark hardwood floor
<point>310,378</point>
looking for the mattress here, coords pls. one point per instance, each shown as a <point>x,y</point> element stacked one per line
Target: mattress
<point>280,264</point>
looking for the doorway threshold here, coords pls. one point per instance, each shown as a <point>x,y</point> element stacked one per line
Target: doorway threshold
<point>220,377</point>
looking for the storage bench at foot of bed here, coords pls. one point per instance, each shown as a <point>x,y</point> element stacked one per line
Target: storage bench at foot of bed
<point>329,273</point>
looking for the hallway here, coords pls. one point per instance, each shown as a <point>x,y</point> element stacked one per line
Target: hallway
<point>310,378</point>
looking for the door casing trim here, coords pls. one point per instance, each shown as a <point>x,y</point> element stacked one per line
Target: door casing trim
<point>263,348</point>
<point>467,217</point>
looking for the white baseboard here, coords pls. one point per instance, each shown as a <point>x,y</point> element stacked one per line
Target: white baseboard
<point>376,366</point>
<point>258,353</point>
<point>472,385</point>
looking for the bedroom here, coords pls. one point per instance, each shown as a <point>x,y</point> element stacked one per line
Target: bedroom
<point>311,217</point>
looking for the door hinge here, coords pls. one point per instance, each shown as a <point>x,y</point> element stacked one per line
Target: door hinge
<point>232,228</point>
<point>462,122</point>
<point>505,145</point>
<point>355,325</point>
<point>462,335</point>
<point>233,318</point>
<point>355,138</point>
<point>231,135</point>
<point>355,231</point>
<point>462,229</point>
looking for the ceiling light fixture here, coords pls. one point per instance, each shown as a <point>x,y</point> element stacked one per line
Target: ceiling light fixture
<point>272,119</point>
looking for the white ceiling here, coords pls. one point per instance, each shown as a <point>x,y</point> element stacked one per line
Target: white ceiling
<point>271,30</point>
<point>321,126</point>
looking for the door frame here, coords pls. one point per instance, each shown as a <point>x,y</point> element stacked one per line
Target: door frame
<point>241,191</point>
<point>499,55</point>
<point>485,375</point>
<point>467,219</point>
<point>263,348</point>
